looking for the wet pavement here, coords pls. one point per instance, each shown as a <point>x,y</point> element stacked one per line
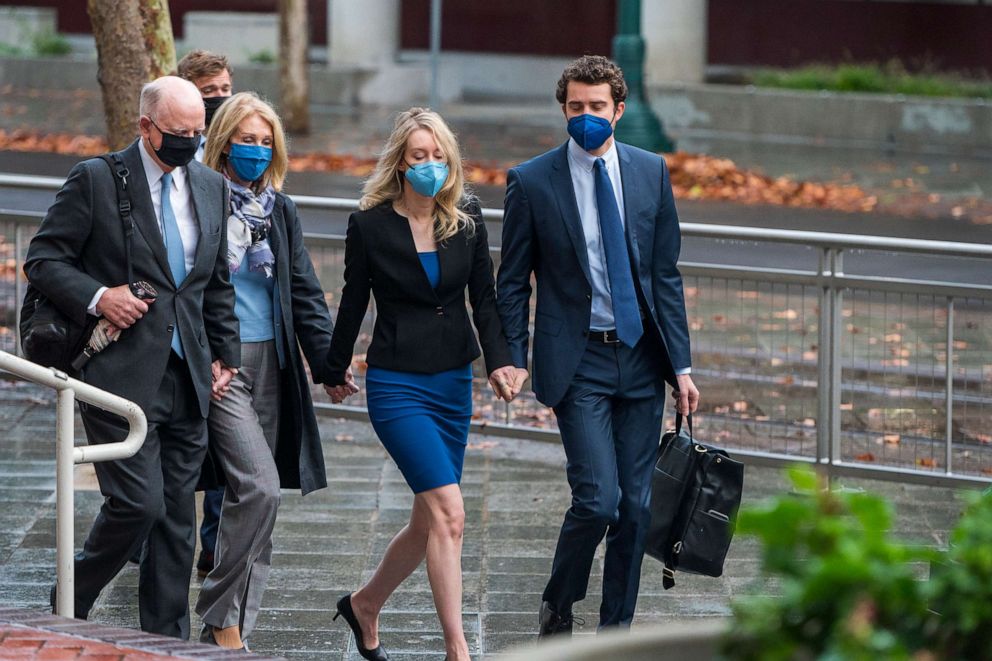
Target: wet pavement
<point>327,543</point>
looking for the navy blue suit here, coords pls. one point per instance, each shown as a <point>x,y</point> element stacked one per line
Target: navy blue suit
<point>608,398</point>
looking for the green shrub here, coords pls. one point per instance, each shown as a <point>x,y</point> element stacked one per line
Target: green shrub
<point>848,590</point>
<point>262,57</point>
<point>891,78</point>
<point>8,50</point>
<point>50,44</point>
<point>961,585</point>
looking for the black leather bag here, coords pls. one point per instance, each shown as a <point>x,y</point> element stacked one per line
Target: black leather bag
<point>48,336</point>
<point>696,491</point>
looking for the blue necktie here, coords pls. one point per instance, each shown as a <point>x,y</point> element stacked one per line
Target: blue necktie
<point>174,247</point>
<point>625,310</point>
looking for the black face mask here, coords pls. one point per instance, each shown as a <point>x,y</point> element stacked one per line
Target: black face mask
<point>211,104</point>
<point>176,151</point>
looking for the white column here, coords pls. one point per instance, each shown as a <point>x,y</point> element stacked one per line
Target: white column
<point>675,36</point>
<point>363,32</point>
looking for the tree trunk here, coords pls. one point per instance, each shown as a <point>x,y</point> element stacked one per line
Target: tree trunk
<point>157,32</point>
<point>134,45</point>
<point>295,88</point>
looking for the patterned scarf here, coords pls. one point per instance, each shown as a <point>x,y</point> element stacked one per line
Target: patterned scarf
<point>248,229</point>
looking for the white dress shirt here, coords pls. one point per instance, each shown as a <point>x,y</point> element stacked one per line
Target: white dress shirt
<point>182,207</point>
<point>580,165</point>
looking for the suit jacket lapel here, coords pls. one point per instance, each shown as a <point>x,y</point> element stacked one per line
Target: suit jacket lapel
<point>446,255</point>
<point>631,196</point>
<point>561,183</point>
<point>277,237</point>
<point>142,210</point>
<point>203,205</point>
<point>409,246</point>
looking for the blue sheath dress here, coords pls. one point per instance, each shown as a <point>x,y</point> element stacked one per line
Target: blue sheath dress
<point>422,419</point>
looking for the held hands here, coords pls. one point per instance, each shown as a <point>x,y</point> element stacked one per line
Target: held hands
<point>222,376</point>
<point>687,395</point>
<point>121,307</point>
<point>507,382</point>
<point>340,393</point>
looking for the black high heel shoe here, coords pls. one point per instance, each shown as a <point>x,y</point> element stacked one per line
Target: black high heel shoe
<point>344,608</point>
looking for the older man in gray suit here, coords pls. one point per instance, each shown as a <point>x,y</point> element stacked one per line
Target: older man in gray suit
<point>171,352</point>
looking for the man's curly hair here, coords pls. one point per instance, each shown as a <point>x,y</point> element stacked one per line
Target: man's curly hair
<point>593,70</point>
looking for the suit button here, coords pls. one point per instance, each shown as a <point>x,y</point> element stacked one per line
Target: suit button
<point>588,297</point>
<point>170,328</point>
<point>440,311</point>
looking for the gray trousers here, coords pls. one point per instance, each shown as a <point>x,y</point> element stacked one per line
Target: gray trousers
<point>243,428</point>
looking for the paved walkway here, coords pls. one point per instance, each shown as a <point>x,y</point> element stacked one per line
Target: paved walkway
<point>28,634</point>
<point>326,543</point>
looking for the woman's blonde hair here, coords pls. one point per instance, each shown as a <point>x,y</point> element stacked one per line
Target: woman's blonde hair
<point>225,125</point>
<point>386,182</point>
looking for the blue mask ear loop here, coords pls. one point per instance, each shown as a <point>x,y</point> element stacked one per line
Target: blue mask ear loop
<point>613,128</point>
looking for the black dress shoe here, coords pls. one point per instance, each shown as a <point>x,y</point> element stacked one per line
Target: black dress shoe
<point>344,608</point>
<point>79,614</point>
<point>553,623</point>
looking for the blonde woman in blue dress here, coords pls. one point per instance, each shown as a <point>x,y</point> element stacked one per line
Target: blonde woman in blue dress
<point>417,245</point>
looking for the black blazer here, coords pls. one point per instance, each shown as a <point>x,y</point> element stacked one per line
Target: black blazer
<point>80,246</point>
<point>417,328</point>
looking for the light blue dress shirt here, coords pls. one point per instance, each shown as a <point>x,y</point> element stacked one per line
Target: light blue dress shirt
<point>580,165</point>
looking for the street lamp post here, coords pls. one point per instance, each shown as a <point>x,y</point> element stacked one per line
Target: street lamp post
<point>640,126</point>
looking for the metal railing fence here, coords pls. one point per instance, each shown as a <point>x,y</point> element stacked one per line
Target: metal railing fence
<point>865,375</point>
<point>67,455</point>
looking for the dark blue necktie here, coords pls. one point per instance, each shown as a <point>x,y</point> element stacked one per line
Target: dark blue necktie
<point>174,248</point>
<point>625,310</point>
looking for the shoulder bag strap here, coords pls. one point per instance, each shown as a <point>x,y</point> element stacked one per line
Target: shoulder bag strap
<point>121,174</point>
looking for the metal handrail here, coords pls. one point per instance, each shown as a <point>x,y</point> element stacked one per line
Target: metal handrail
<point>704,230</point>
<point>66,455</point>
<point>828,277</point>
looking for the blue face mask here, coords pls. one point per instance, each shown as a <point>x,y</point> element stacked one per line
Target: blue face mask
<point>589,131</point>
<point>427,178</point>
<point>249,161</point>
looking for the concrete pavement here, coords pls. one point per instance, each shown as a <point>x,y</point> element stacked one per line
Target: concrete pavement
<point>327,543</point>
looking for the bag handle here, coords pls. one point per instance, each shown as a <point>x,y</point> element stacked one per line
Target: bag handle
<point>668,573</point>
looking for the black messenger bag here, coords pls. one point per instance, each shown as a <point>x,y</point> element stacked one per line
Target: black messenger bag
<point>696,491</point>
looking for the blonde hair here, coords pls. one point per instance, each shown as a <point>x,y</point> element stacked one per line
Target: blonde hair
<point>387,181</point>
<point>225,125</point>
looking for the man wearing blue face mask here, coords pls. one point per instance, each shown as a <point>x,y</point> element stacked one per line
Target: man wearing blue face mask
<point>595,221</point>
